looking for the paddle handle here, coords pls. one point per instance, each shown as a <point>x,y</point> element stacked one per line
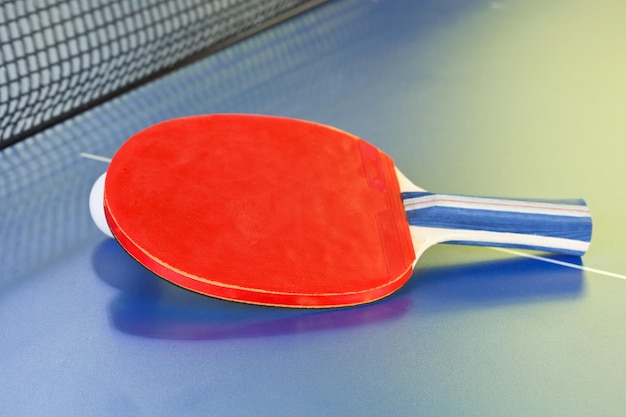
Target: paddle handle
<point>559,226</point>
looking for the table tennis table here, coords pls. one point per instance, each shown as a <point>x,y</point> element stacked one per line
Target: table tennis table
<point>501,98</point>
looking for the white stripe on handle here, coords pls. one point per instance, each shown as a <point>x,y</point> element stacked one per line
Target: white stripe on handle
<point>560,226</point>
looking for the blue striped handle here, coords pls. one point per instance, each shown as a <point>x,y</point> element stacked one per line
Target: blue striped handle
<point>560,226</point>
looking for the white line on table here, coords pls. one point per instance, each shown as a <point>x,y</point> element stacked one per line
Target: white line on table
<point>566,264</point>
<point>95,157</point>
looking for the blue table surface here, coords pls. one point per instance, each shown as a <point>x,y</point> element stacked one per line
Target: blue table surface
<point>503,98</point>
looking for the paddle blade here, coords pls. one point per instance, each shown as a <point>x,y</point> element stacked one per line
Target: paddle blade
<point>261,210</point>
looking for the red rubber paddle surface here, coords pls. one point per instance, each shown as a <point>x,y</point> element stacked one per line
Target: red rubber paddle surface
<point>261,209</point>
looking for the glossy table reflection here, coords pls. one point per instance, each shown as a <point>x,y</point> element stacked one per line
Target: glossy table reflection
<point>150,307</point>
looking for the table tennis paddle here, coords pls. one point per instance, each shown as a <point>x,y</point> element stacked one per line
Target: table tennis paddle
<point>285,212</point>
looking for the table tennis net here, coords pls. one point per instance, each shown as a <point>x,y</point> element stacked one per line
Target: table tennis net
<point>58,58</point>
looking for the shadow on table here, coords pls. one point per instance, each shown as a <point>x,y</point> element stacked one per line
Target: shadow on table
<point>149,306</point>
<point>494,283</point>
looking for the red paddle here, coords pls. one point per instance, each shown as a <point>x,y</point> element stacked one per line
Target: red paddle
<point>272,211</point>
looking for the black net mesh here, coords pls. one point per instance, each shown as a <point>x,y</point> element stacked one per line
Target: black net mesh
<point>58,57</point>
